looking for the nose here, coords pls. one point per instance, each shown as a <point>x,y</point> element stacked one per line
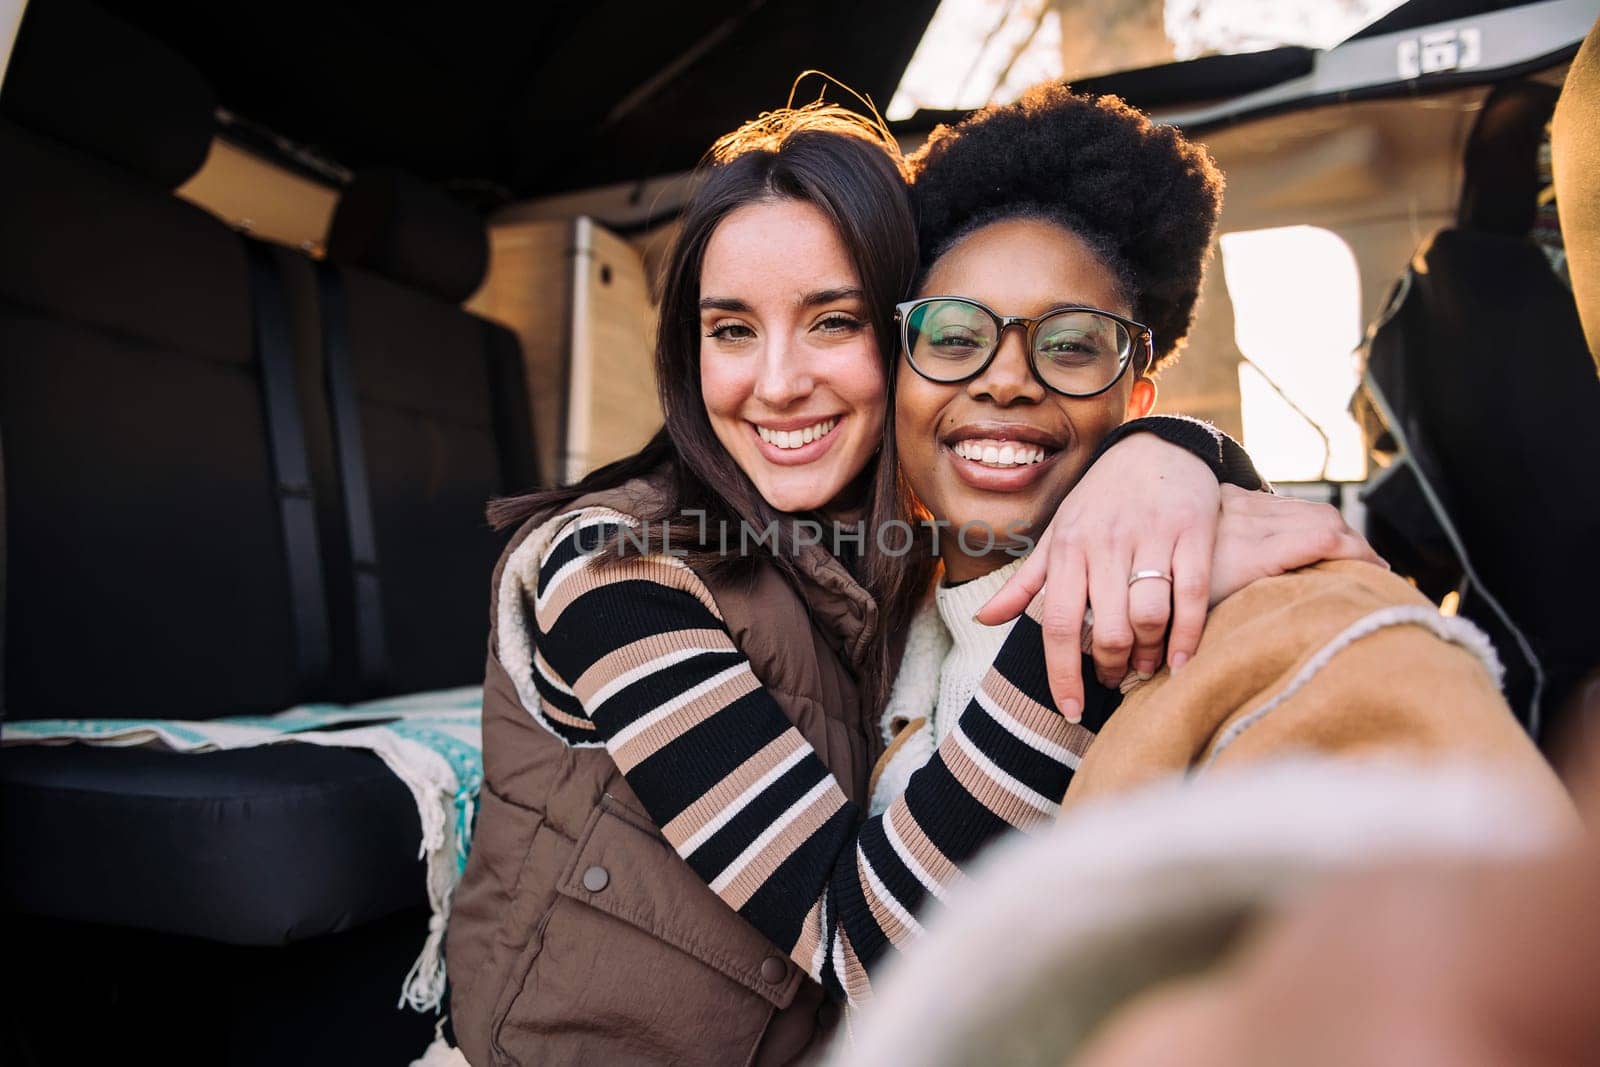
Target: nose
<point>1008,379</point>
<point>784,376</point>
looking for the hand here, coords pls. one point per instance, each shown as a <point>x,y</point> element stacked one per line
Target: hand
<point>1145,505</point>
<point>1262,535</point>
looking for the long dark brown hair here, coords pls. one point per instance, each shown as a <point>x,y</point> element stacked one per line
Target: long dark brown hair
<point>850,168</point>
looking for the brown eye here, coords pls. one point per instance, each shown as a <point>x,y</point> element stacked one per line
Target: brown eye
<point>731,331</point>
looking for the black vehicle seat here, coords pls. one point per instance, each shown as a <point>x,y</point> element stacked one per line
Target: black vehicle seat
<point>137,461</point>
<point>149,568</point>
<point>147,573</point>
<point>439,400</point>
<point>1481,382</point>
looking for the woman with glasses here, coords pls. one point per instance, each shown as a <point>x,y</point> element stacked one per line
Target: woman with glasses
<point>1024,351</point>
<point>671,861</point>
<point>1062,243</point>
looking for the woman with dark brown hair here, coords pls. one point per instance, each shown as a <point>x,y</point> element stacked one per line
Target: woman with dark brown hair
<point>678,655</point>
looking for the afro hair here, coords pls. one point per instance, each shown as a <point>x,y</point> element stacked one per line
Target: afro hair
<point>1140,194</point>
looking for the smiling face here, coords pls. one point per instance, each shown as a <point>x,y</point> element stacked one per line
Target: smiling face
<point>1001,449</point>
<point>790,369</point>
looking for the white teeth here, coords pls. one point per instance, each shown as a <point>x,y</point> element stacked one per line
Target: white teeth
<point>796,438</point>
<point>998,453</point>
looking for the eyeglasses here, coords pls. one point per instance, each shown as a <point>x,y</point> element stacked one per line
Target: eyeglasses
<point>1075,351</point>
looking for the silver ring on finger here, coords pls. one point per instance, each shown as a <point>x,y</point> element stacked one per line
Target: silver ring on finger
<point>1139,576</point>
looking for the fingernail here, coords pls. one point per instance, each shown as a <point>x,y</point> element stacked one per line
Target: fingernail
<point>1071,711</point>
<point>977,620</point>
<point>1178,660</point>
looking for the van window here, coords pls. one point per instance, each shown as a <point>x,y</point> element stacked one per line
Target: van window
<point>1296,293</point>
<point>978,52</point>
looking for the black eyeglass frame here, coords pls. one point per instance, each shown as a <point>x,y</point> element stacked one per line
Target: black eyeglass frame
<point>1141,334</point>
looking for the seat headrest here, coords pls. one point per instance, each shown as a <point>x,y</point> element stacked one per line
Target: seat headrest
<point>1500,175</point>
<point>399,226</point>
<point>86,78</point>
<point>1575,154</point>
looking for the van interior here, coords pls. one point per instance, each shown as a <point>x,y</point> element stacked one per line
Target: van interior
<point>289,291</point>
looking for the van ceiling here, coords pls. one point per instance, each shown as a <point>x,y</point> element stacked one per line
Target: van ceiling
<point>513,100</point>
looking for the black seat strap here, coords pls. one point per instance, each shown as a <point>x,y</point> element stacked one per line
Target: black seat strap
<point>372,660</point>
<point>513,424</point>
<point>287,441</point>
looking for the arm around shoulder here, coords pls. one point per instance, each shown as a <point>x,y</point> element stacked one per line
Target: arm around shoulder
<point>1341,659</point>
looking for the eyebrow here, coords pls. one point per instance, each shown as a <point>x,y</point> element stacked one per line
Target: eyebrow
<point>832,296</point>
<point>812,299</point>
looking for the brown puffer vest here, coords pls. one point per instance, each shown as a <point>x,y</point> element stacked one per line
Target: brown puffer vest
<point>577,933</point>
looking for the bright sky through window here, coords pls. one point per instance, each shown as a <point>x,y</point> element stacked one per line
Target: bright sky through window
<point>977,52</point>
<point>1300,328</point>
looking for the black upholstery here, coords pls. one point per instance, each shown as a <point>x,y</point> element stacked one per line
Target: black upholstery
<point>344,404</point>
<point>257,846</point>
<point>147,575</point>
<point>1481,381</point>
<point>1484,368</point>
<point>292,490</point>
<point>141,481</point>
<point>1500,175</point>
<point>398,226</point>
<point>138,476</point>
<point>123,97</point>
<point>443,420</point>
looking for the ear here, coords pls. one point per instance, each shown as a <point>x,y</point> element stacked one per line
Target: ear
<point>1140,399</point>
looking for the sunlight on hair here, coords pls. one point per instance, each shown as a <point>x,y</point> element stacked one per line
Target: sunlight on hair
<point>1296,295</point>
<point>768,131</point>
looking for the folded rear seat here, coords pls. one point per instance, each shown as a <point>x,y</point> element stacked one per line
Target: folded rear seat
<point>155,547</point>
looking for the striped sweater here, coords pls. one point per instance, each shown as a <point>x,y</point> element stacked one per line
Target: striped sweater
<point>633,655</point>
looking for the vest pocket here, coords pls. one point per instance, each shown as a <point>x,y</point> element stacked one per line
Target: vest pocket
<point>637,960</point>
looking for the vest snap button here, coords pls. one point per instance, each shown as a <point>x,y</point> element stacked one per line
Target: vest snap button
<point>773,970</point>
<point>596,879</point>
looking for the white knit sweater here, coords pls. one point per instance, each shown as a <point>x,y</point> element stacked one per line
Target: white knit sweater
<point>973,646</point>
<point>947,654</point>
